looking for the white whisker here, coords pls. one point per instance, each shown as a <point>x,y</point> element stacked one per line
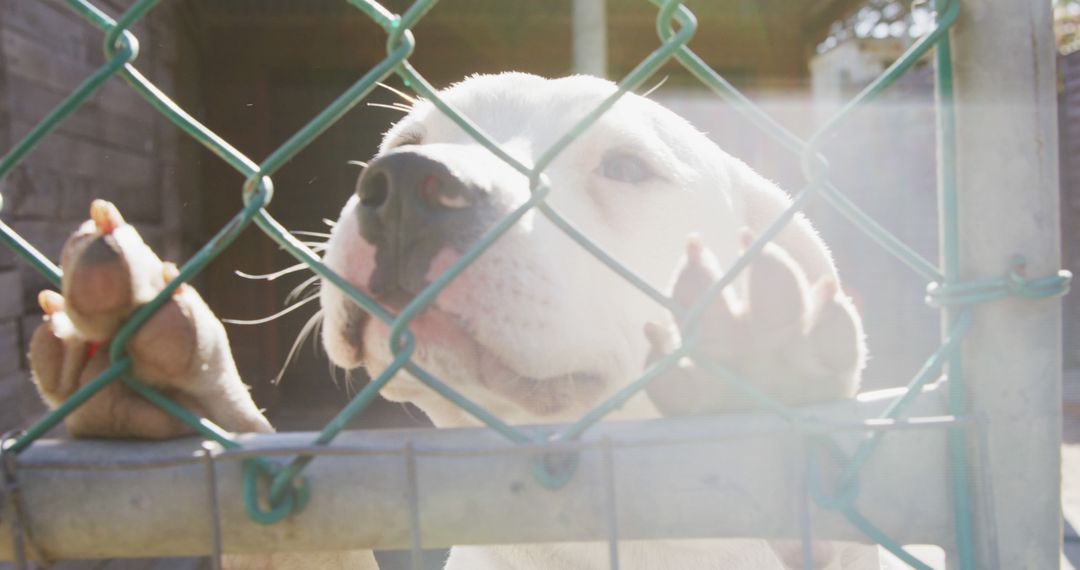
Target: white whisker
<point>332,370</point>
<point>353,382</point>
<point>655,87</point>
<point>315,344</point>
<point>300,338</point>
<point>398,92</point>
<point>310,234</point>
<point>328,221</point>
<point>280,313</point>
<point>274,275</point>
<point>420,421</point>
<point>391,107</point>
<point>299,289</point>
<point>350,386</point>
<point>359,163</point>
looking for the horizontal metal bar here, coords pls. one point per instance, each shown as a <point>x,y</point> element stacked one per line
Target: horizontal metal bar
<point>718,476</point>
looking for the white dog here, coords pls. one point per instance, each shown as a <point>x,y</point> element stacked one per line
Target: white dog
<point>536,329</point>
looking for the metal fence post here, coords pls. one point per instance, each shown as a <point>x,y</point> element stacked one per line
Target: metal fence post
<point>590,37</point>
<point>1007,203</point>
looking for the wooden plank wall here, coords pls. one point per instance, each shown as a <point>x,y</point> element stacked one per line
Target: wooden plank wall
<point>115,147</point>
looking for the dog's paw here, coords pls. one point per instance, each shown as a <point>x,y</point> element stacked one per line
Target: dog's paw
<point>53,349</point>
<point>796,341</point>
<point>182,349</point>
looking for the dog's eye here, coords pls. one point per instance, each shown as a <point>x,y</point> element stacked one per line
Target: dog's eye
<point>623,167</point>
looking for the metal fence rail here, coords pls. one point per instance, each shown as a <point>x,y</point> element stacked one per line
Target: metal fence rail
<point>362,494</point>
<point>287,491</point>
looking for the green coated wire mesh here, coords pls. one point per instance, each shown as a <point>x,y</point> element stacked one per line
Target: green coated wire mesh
<point>675,25</point>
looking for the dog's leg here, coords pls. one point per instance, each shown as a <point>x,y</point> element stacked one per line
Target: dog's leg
<point>797,342</point>
<point>181,350</point>
<point>61,361</point>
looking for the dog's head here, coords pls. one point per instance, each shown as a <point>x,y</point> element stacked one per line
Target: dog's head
<point>536,329</point>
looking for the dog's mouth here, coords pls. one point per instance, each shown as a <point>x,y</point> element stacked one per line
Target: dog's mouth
<point>447,347</point>
<point>516,367</point>
<point>541,395</point>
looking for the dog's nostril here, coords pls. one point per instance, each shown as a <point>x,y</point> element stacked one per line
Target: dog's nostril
<point>430,188</point>
<point>374,190</point>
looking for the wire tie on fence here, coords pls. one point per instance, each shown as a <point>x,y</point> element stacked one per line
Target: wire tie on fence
<point>21,536</point>
<point>126,45</point>
<point>260,187</point>
<point>290,502</point>
<point>554,469</point>
<point>1015,283</point>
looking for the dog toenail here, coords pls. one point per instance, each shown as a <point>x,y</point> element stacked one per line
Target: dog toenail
<point>106,216</point>
<point>51,302</point>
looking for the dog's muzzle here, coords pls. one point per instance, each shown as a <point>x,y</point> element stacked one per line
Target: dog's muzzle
<point>413,205</point>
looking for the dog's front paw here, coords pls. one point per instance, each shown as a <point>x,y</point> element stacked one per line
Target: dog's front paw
<point>182,349</point>
<point>63,360</point>
<point>795,341</point>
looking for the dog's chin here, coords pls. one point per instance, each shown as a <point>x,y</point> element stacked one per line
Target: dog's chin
<point>342,333</point>
<point>342,352</point>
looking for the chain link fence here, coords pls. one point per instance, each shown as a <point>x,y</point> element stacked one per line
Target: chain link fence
<point>273,491</point>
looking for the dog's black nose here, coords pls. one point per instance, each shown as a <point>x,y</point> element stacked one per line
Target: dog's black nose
<point>411,207</point>
<point>414,180</point>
